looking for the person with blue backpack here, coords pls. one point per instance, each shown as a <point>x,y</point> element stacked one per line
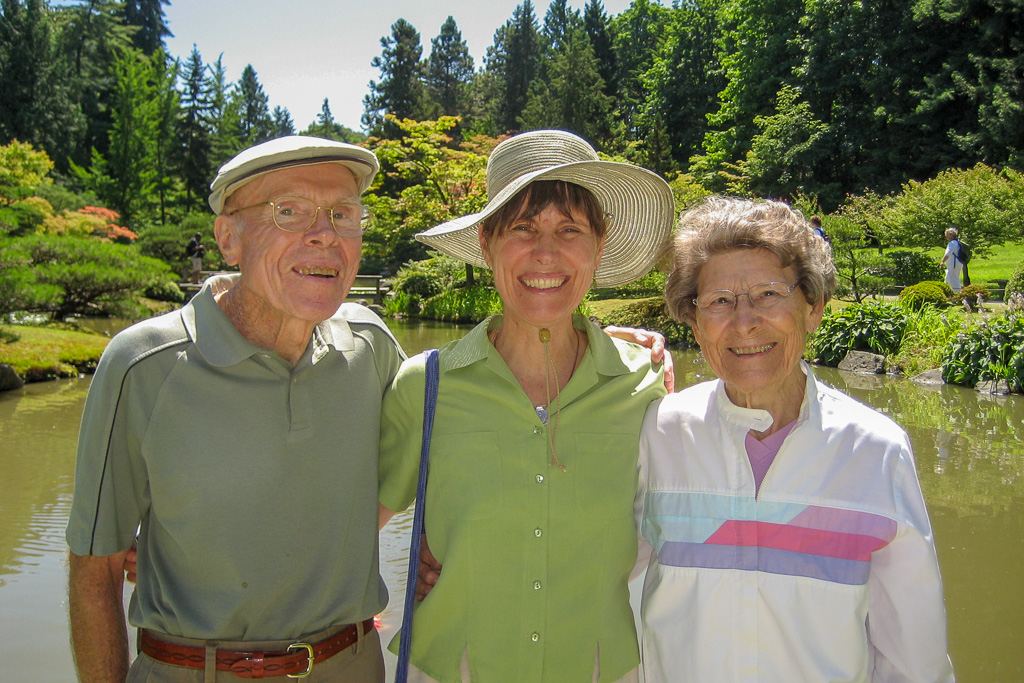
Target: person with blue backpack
<point>952,260</point>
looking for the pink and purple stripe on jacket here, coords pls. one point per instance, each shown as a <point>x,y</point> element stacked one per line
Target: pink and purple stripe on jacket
<point>714,531</point>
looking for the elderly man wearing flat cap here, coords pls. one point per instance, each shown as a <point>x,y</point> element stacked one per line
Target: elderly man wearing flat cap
<point>239,437</point>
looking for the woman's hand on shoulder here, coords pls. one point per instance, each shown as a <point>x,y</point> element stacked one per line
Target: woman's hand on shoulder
<point>654,341</point>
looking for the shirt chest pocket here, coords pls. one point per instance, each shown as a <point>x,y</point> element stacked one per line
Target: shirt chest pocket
<point>465,480</point>
<point>605,474</point>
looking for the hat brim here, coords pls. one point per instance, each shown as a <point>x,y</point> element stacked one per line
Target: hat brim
<point>639,202</point>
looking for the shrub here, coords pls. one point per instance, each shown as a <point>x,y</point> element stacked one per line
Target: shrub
<point>930,292</point>
<point>467,305</point>
<point>652,284</point>
<point>971,294</point>
<point>164,290</point>
<point>1015,285</point>
<point>911,267</point>
<point>650,314</point>
<point>877,328</point>
<point>399,304</point>
<point>989,350</point>
<point>925,337</point>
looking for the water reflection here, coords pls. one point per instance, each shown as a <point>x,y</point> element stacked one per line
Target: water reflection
<point>969,453</point>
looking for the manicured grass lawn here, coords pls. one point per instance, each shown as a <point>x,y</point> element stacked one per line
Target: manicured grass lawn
<point>998,265</point>
<point>41,353</point>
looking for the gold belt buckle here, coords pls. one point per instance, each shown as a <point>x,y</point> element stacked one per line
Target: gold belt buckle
<point>309,653</point>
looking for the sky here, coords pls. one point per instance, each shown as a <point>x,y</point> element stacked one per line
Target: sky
<point>306,50</point>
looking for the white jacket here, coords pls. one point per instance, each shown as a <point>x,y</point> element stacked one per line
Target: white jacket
<point>829,574</point>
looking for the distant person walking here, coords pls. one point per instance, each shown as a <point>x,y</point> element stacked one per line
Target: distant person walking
<point>951,259</point>
<point>195,251</point>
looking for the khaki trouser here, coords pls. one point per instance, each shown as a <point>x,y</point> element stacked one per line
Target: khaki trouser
<point>358,663</point>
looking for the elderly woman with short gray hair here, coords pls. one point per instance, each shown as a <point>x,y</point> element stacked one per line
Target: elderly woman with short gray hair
<point>790,536</point>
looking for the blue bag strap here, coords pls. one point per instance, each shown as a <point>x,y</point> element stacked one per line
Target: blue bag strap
<point>429,403</point>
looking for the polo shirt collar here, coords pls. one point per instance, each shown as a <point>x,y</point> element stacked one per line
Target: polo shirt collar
<point>222,345</point>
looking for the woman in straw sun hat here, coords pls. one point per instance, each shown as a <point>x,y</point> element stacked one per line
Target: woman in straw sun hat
<point>533,461</point>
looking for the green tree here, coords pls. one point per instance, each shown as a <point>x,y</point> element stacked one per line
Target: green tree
<point>22,170</point>
<point>253,106</point>
<point>572,98</point>
<point>283,124</point>
<point>518,65</point>
<point>638,35</point>
<point>560,22</point>
<point>784,154</point>
<point>124,179</point>
<point>66,276</point>
<point>36,89</point>
<point>400,91</point>
<point>986,206</point>
<point>167,105</point>
<point>440,181</point>
<point>759,50</point>
<point>225,119</point>
<point>194,131</point>
<point>147,17</point>
<point>449,70</point>
<point>598,28</point>
<point>326,127</point>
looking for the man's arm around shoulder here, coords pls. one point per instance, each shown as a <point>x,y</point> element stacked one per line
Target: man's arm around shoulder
<point>99,638</point>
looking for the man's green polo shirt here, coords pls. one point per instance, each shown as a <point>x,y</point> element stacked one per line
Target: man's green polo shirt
<point>255,482</point>
<point>536,560</point>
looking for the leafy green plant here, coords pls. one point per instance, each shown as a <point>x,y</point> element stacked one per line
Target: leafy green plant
<point>1015,285</point>
<point>467,305</point>
<point>971,293</point>
<point>927,293</point>
<point>911,267</point>
<point>925,337</point>
<point>650,314</point>
<point>652,284</point>
<point>872,327</point>
<point>989,350</point>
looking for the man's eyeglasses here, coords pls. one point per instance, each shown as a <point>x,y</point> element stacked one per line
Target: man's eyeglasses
<point>297,214</point>
<point>724,301</point>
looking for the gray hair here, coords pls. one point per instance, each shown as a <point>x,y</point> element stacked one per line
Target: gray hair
<point>722,224</point>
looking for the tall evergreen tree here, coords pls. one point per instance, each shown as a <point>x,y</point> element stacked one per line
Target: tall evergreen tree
<point>283,124</point>
<point>520,64</point>
<point>449,70</point>
<point>401,90</point>
<point>91,37</point>
<point>326,127</point>
<point>194,131</point>
<point>255,124</point>
<point>638,34</point>
<point>36,101</point>
<point>225,116</point>
<point>559,22</point>
<point>598,27</point>
<point>147,16</point>
<point>167,104</point>
<point>571,96</point>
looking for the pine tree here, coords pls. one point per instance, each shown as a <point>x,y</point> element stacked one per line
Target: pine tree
<point>401,90</point>
<point>449,70</point>
<point>559,22</point>
<point>167,104</point>
<point>255,124</point>
<point>283,124</point>
<point>225,118</point>
<point>521,63</point>
<point>599,31</point>
<point>36,100</point>
<point>147,16</point>
<point>194,130</point>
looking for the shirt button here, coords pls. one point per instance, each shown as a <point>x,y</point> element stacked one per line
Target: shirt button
<point>536,585</point>
<point>536,430</point>
<point>540,478</point>
<point>537,532</point>
<point>535,637</point>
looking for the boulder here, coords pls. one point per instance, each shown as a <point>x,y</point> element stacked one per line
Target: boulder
<point>933,376</point>
<point>9,379</point>
<point>993,386</point>
<point>863,362</point>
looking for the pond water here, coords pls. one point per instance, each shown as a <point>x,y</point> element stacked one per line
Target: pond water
<point>970,457</point>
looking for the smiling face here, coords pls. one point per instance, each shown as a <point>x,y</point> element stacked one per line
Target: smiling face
<point>756,352</point>
<point>291,277</point>
<point>543,265</point>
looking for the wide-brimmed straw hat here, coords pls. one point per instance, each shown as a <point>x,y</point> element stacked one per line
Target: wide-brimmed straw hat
<point>638,204</point>
<point>286,152</point>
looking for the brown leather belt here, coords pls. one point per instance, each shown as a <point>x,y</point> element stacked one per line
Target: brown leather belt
<point>295,662</point>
